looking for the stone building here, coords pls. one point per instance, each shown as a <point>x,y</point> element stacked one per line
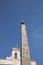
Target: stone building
<point>19,56</point>
<point>14,59</point>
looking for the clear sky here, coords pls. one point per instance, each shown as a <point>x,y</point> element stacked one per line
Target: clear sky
<point>12,12</point>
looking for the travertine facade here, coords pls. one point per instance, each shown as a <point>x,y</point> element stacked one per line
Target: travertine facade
<point>12,60</point>
<point>19,56</point>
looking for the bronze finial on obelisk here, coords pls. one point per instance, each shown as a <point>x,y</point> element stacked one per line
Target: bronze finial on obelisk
<point>25,55</point>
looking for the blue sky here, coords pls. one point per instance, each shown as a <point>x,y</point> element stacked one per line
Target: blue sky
<point>12,12</point>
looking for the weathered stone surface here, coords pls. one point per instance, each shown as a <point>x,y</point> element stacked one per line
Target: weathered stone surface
<point>25,55</point>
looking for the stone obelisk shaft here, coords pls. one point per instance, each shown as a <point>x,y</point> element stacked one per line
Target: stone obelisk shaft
<point>25,55</point>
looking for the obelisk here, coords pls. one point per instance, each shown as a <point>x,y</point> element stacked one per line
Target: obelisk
<point>25,55</point>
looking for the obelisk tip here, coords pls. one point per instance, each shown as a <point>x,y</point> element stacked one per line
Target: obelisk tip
<point>22,22</point>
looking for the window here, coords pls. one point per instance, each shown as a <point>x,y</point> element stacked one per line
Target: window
<point>15,55</point>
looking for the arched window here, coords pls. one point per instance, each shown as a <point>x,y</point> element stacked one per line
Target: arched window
<point>15,55</point>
